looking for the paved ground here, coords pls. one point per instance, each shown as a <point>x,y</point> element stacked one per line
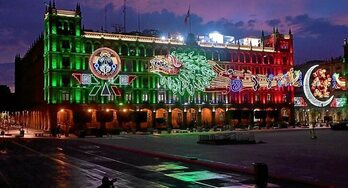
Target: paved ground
<point>75,163</point>
<point>289,154</point>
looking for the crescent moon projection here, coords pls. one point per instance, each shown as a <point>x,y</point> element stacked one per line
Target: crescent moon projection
<point>308,92</point>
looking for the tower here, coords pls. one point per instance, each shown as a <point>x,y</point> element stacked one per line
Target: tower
<point>63,50</point>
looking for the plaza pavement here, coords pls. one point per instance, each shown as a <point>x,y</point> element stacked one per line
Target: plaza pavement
<point>290,154</point>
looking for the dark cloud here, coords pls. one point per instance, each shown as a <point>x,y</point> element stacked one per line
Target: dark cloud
<point>273,22</point>
<point>252,23</point>
<point>316,38</point>
<point>239,24</point>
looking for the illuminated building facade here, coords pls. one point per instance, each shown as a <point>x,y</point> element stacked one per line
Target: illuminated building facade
<point>112,80</point>
<point>323,97</point>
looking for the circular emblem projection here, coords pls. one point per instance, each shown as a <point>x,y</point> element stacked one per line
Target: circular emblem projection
<point>105,63</point>
<point>308,90</point>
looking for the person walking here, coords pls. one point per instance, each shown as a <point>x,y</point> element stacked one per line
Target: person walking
<point>106,183</point>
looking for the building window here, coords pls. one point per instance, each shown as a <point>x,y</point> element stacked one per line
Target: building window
<point>247,58</point>
<point>257,70</point>
<point>245,98</point>
<point>65,44</point>
<point>257,98</point>
<point>141,51</point>
<point>93,98</point>
<point>65,96</point>
<point>205,97</point>
<point>268,97</point>
<point>161,96</point>
<point>66,62</point>
<point>128,97</point>
<point>253,58</point>
<point>111,98</point>
<point>145,97</point>
<point>241,58</point>
<point>88,47</point>
<point>145,82</point>
<point>176,98</point>
<point>65,80</point>
<point>284,98</point>
<point>129,66</point>
<point>219,98</point>
<point>285,60</point>
<point>132,51</point>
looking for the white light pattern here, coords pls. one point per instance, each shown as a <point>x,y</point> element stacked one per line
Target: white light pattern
<point>308,92</point>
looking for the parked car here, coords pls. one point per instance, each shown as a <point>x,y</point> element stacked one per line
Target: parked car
<point>340,126</point>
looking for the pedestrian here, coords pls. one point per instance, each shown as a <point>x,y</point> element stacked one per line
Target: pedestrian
<point>58,131</point>
<point>106,183</point>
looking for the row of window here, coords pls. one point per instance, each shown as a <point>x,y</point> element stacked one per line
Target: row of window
<point>257,58</point>
<point>201,98</point>
<point>141,51</point>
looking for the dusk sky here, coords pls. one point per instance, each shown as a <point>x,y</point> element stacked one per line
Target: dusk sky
<point>319,26</point>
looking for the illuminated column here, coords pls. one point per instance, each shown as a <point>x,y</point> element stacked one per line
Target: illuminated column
<point>185,118</point>
<point>169,122</point>
<point>213,122</point>
<point>226,116</point>
<point>153,118</point>
<point>199,117</point>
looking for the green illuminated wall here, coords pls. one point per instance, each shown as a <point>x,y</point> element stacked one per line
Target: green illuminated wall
<point>67,51</point>
<point>62,38</point>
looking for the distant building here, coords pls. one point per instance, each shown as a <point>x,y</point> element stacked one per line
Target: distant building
<point>324,95</point>
<point>83,79</point>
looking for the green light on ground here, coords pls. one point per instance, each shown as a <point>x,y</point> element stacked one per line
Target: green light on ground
<point>196,176</point>
<point>164,167</point>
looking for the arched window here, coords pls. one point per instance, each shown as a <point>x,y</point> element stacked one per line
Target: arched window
<point>253,58</point>
<point>132,51</point>
<point>265,59</point>
<point>216,56</point>
<point>209,55</point>
<point>164,51</point>
<point>116,48</point>
<point>88,47</point>
<point>124,50</point>
<point>157,51</point>
<point>259,59</point>
<point>141,50</point>
<point>271,60</point>
<point>247,58</point>
<point>245,98</point>
<point>241,58</point>
<point>234,57</point>
<point>149,51</point>
<point>97,45</point>
<point>222,56</point>
<point>285,60</point>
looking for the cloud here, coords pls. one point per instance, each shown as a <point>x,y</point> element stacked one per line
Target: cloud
<point>273,22</point>
<point>316,38</point>
<point>168,16</point>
